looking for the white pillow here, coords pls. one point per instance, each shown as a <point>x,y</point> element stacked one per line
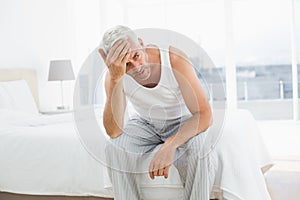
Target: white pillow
<point>16,95</point>
<point>5,100</point>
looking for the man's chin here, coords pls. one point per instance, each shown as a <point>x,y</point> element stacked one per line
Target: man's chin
<point>144,77</point>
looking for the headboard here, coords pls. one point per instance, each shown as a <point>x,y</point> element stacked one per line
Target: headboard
<point>29,75</point>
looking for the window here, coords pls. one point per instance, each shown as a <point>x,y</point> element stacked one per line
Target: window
<point>263,58</point>
<point>297,23</point>
<point>262,38</point>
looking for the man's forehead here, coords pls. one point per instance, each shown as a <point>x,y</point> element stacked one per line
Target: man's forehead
<point>132,44</point>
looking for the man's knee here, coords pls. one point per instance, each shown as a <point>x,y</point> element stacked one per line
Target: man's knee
<point>116,152</point>
<point>108,147</point>
<point>196,144</point>
<point>123,144</point>
<point>113,144</point>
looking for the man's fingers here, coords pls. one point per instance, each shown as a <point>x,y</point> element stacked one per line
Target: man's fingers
<point>116,45</point>
<point>155,173</point>
<point>166,171</point>
<point>103,55</point>
<point>120,50</point>
<point>160,171</point>
<point>151,172</point>
<point>125,49</point>
<point>126,55</point>
<point>117,49</point>
<point>111,52</point>
<point>124,52</point>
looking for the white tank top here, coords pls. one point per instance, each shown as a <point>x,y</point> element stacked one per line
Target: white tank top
<point>162,102</point>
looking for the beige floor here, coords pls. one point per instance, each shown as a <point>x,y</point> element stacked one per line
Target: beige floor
<point>283,180</point>
<point>10,196</point>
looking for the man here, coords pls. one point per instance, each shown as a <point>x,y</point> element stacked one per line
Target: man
<point>173,115</point>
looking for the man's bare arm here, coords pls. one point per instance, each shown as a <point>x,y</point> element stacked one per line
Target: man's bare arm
<point>113,116</point>
<point>194,97</point>
<point>115,105</point>
<point>198,105</point>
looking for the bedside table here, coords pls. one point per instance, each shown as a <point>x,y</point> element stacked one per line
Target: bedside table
<point>54,112</point>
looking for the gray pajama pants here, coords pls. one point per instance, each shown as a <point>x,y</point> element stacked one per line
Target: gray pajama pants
<point>130,154</point>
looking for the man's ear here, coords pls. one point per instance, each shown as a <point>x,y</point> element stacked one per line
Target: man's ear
<point>141,42</point>
<point>103,55</point>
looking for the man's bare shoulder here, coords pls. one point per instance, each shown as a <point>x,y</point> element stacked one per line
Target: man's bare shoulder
<point>178,58</point>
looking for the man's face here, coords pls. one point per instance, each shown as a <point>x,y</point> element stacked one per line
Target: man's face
<point>137,65</point>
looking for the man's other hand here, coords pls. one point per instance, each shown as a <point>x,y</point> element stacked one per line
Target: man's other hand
<point>162,161</point>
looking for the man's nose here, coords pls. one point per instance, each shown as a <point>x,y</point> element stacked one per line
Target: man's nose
<point>135,64</point>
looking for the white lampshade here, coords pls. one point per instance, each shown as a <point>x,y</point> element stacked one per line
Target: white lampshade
<point>60,70</point>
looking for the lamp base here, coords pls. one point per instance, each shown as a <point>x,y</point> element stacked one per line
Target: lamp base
<point>61,108</point>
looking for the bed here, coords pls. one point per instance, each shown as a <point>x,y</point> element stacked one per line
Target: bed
<point>43,156</point>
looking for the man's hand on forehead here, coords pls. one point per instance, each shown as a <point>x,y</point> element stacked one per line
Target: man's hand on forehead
<point>134,45</point>
<point>118,51</point>
<point>117,58</point>
<point>118,40</point>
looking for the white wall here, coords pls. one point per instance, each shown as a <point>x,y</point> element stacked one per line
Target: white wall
<point>33,32</point>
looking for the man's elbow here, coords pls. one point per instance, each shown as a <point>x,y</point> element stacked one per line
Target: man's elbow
<point>111,130</point>
<point>113,133</point>
<point>206,118</point>
<point>210,117</point>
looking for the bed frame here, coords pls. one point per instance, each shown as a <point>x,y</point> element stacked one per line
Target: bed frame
<point>12,196</point>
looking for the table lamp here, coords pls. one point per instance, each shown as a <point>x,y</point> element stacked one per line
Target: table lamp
<point>61,70</point>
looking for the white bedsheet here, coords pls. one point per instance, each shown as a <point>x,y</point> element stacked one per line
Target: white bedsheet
<point>243,158</point>
<point>44,155</point>
<point>47,159</point>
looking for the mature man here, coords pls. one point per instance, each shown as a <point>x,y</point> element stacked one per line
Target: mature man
<point>173,115</point>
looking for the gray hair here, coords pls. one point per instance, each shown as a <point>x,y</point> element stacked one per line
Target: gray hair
<point>115,33</point>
